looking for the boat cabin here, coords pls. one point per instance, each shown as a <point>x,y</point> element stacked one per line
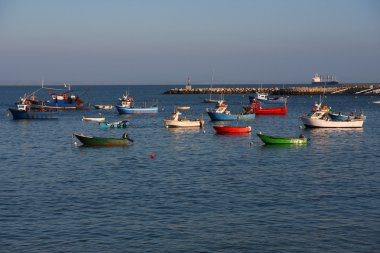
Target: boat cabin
<point>263,96</point>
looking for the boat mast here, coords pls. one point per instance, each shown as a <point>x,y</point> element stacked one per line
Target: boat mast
<point>212,81</point>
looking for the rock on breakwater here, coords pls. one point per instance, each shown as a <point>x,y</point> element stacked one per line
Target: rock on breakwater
<point>348,89</point>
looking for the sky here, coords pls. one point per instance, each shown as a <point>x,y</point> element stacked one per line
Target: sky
<point>165,41</point>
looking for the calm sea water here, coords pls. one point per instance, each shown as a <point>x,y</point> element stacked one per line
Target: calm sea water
<point>201,193</point>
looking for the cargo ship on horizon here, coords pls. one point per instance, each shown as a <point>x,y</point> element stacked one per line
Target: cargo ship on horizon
<point>319,79</point>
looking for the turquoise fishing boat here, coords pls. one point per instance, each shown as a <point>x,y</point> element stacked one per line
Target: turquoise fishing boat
<point>116,124</point>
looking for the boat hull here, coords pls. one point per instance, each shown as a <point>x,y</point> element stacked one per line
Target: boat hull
<point>21,114</point>
<point>281,140</point>
<point>325,83</point>
<point>230,117</point>
<point>184,123</point>
<point>96,119</point>
<point>276,111</point>
<point>255,107</point>
<point>137,110</point>
<point>232,129</point>
<point>322,123</point>
<point>55,106</point>
<point>101,141</point>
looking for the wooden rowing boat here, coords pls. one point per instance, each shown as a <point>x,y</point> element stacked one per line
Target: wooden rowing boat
<point>102,141</point>
<point>96,119</point>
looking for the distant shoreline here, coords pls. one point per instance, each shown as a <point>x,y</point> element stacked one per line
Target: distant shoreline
<point>344,89</point>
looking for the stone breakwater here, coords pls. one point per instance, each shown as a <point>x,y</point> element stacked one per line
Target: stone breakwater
<point>348,89</point>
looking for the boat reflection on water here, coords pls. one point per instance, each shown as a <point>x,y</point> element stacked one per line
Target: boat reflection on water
<point>323,131</point>
<point>323,137</point>
<point>233,134</point>
<point>181,130</point>
<point>281,146</point>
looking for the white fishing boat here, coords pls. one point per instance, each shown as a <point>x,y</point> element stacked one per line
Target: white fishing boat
<point>320,118</point>
<point>182,122</point>
<point>96,119</point>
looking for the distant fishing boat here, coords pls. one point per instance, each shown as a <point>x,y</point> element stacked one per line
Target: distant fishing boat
<point>210,100</point>
<point>63,99</point>
<point>104,107</point>
<point>103,141</point>
<point>181,122</point>
<point>220,113</point>
<point>232,129</point>
<point>255,107</point>
<point>117,124</point>
<point>214,101</point>
<point>264,97</point>
<point>96,119</point>
<point>267,139</point>
<point>183,107</point>
<point>126,106</point>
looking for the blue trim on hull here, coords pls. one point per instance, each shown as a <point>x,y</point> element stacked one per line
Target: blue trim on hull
<point>230,117</point>
<point>19,114</point>
<point>65,106</point>
<point>137,110</point>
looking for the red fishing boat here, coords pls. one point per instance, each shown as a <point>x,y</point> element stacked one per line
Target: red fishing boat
<point>255,107</point>
<point>232,129</point>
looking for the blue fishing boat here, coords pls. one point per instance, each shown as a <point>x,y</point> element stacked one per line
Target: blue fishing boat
<point>220,113</point>
<point>24,111</point>
<point>126,106</point>
<point>264,97</point>
<point>137,110</point>
<point>62,99</point>
<point>65,100</point>
<point>117,124</point>
<point>214,116</point>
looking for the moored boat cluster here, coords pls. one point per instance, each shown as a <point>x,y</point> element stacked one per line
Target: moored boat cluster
<point>320,116</point>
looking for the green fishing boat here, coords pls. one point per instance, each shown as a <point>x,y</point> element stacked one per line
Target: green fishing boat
<point>283,140</point>
<point>103,141</point>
